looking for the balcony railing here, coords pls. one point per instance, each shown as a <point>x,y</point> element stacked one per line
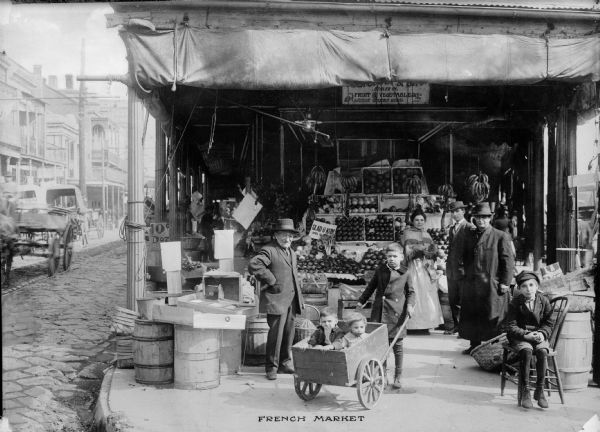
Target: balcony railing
<point>110,158</point>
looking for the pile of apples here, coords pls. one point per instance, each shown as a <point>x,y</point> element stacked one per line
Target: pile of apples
<point>367,204</point>
<point>349,228</point>
<point>329,204</point>
<point>381,228</point>
<point>441,238</point>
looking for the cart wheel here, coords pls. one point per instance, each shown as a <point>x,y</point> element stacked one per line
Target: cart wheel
<point>369,382</point>
<point>306,390</point>
<point>68,248</point>
<point>54,258</point>
<point>100,228</point>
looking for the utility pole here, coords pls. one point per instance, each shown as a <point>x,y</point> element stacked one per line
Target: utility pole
<point>82,123</point>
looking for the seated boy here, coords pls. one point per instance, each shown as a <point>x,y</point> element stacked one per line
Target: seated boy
<point>327,332</point>
<point>356,325</point>
<point>528,326</point>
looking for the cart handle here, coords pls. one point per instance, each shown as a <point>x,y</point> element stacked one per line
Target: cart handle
<point>400,330</point>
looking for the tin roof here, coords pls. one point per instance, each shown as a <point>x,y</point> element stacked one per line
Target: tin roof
<point>520,4</point>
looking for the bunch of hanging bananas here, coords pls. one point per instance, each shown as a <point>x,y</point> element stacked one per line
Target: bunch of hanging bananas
<point>412,185</point>
<point>446,190</point>
<point>479,186</point>
<point>316,179</point>
<point>349,183</point>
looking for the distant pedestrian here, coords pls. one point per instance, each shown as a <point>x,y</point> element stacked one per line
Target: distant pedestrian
<point>85,228</point>
<point>489,263</point>
<point>455,268</point>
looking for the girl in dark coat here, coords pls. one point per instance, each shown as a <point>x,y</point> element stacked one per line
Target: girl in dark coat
<point>392,282</point>
<point>528,325</point>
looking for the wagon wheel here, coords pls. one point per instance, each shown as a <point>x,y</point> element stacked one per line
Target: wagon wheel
<point>68,247</point>
<point>54,254</point>
<point>369,382</point>
<point>306,390</point>
<point>100,228</point>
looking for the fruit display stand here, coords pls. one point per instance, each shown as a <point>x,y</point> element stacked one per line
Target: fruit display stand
<point>377,180</point>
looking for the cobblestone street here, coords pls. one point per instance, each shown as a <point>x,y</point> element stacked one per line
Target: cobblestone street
<point>56,340</point>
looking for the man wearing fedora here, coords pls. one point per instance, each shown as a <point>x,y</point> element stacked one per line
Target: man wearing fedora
<point>489,264</point>
<point>275,268</point>
<point>455,269</point>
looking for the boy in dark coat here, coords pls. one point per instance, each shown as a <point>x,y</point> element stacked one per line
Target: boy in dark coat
<point>328,331</point>
<point>528,326</point>
<point>391,281</point>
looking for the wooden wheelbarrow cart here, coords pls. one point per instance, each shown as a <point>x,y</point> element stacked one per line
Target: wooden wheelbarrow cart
<point>360,365</point>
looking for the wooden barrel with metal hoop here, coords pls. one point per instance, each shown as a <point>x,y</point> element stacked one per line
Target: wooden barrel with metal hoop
<point>153,352</point>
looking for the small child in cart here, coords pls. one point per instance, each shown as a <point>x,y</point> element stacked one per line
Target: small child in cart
<point>357,324</point>
<point>327,332</point>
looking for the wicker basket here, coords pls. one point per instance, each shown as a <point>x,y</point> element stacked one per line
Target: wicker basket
<point>488,355</point>
<point>190,243</point>
<point>303,328</point>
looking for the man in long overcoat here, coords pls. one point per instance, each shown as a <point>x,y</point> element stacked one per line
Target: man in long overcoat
<point>455,269</point>
<point>275,267</point>
<point>489,266</point>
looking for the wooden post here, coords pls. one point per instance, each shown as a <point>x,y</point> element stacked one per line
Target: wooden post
<point>537,195</point>
<point>82,126</point>
<point>552,188</point>
<point>136,267</point>
<point>282,155</point>
<point>566,221</point>
<point>451,145</point>
<point>173,189</point>
<point>596,346</point>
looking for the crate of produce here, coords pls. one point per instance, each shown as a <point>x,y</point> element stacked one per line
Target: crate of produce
<point>329,204</point>
<point>362,204</point>
<point>377,180</point>
<point>350,228</point>
<point>402,178</point>
<point>379,227</point>
<point>394,203</point>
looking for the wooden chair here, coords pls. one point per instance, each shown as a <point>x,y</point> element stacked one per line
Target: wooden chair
<point>552,381</point>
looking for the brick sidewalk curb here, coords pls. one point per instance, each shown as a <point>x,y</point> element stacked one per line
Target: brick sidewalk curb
<point>104,419</point>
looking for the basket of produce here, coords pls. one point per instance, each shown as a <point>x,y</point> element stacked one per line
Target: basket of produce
<point>191,243</point>
<point>303,328</point>
<point>489,354</point>
<point>377,180</point>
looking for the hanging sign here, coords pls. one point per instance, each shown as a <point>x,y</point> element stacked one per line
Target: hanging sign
<point>319,229</point>
<point>247,210</point>
<point>159,232</point>
<point>398,93</point>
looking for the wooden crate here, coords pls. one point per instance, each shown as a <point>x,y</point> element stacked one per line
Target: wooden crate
<point>339,367</point>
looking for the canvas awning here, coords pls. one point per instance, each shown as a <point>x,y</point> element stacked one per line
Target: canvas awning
<point>302,59</point>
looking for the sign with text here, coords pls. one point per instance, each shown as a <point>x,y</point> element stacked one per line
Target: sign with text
<point>319,229</point>
<point>159,232</point>
<point>400,93</point>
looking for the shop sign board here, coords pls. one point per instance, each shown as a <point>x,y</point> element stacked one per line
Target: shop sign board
<point>159,232</point>
<point>319,229</point>
<point>397,93</point>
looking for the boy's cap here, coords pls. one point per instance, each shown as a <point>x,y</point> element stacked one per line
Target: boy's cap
<point>526,275</point>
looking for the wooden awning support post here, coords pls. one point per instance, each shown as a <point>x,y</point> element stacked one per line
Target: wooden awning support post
<point>136,267</point>
<point>537,195</point>
<point>160,182</point>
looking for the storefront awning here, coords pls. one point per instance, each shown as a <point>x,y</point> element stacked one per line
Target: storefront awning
<point>303,59</point>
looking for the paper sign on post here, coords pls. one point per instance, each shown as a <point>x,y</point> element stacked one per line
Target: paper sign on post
<point>170,253</point>
<point>320,228</point>
<point>223,244</point>
<point>247,210</point>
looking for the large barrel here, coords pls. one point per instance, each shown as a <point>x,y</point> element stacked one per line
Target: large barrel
<point>255,340</point>
<point>153,352</point>
<point>231,352</point>
<point>196,358</point>
<point>574,351</point>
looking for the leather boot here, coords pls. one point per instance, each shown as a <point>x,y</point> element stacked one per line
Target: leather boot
<point>397,379</point>
<point>540,397</point>
<point>526,399</point>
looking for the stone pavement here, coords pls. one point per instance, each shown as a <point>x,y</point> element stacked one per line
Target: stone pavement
<point>56,341</point>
